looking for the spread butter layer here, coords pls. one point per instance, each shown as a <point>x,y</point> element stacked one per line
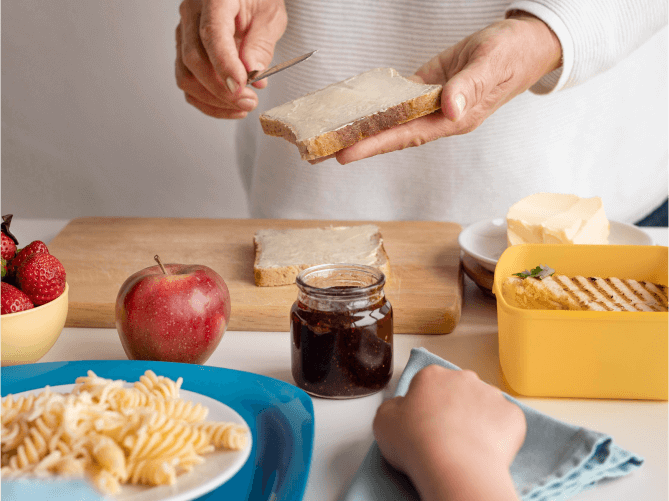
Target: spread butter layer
<point>343,103</point>
<point>340,244</point>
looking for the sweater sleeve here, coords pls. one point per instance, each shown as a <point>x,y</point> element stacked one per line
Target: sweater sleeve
<point>594,34</point>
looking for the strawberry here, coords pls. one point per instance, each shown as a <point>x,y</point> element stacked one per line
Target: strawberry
<point>42,278</point>
<point>13,299</point>
<point>9,241</point>
<point>8,247</point>
<point>35,247</point>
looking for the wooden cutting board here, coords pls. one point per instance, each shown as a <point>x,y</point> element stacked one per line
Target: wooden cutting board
<point>425,286</point>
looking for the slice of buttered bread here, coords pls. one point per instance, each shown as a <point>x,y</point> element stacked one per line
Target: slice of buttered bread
<point>325,121</point>
<point>559,292</point>
<point>282,254</point>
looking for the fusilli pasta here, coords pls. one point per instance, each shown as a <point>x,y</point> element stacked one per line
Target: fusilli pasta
<point>145,434</point>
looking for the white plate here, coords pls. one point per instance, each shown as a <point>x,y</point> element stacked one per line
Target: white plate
<point>219,466</point>
<point>486,240</point>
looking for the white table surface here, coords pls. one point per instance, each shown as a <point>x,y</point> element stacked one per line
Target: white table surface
<point>343,427</point>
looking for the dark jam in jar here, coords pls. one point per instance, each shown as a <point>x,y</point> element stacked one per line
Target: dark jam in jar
<point>341,331</point>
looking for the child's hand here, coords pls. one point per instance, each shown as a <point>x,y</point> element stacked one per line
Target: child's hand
<point>453,434</point>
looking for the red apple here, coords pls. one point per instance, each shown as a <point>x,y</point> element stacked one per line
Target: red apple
<point>172,313</point>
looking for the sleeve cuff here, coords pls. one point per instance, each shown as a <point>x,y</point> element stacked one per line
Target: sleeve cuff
<point>555,80</point>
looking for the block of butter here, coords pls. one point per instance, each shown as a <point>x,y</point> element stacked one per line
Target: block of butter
<point>555,218</point>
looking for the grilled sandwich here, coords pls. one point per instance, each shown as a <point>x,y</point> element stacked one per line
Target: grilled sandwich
<point>559,292</point>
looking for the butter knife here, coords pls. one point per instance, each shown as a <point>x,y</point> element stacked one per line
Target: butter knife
<point>255,75</point>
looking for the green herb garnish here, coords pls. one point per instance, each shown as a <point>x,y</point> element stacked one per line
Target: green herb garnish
<point>542,271</point>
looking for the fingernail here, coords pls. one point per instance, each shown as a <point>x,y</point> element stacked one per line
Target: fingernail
<point>232,85</point>
<point>460,103</point>
<point>246,104</point>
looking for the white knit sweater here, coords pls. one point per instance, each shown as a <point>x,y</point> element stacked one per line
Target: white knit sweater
<point>596,126</point>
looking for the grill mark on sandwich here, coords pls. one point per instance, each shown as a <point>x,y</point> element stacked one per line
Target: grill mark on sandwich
<point>563,294</point>
<point>594,295</point>
<point>636,292</point>
<point>591,300</point>
<point>580,299</point>
<point>627,301</point>
<point>605,287</point>
<point>643,295</point>
<point>631,295</point>
<point>567,289</point>
<point>659,292</point>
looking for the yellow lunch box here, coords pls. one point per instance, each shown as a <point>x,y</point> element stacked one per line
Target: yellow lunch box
<point>584,354</point>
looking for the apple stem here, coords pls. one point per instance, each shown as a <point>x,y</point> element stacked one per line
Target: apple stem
<point>160,264</point>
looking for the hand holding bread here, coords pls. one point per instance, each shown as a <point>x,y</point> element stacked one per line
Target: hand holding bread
<point>218,43</point>
<point>479,74</point>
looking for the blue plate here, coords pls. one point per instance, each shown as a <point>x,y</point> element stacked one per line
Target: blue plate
<point>280,415</point>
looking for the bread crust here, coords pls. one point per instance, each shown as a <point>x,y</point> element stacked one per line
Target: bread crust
<point>286,275</point>
<point>335,140</point>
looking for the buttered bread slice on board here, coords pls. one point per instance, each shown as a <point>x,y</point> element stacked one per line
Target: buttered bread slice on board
<point>560,292</point>
<point>281,254</point>
<point>325,121</point>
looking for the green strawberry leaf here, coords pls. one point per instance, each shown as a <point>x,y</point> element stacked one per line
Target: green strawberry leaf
<point>4,268</point>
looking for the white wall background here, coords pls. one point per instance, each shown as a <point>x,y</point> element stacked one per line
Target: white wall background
<point>92,120</point>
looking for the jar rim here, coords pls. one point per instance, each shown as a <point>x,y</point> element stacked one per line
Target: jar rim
<point>377,274</point>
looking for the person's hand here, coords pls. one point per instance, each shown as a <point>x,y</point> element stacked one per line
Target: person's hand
<point>454,435</point>
<point>479,74</point>
<point>218,43</point>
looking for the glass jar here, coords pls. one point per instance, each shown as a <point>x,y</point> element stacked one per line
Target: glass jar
<point>341,331</point>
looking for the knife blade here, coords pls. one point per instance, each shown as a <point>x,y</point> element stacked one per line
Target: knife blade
<point>255,75</point>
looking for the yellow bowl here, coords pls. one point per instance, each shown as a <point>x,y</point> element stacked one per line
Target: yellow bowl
<point>586,354</point>
<point>28,335</point>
